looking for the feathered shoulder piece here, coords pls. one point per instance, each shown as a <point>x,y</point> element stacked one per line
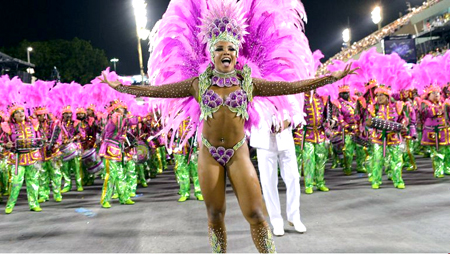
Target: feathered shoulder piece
<point>362,102</point>
<point>6,127</point>
<point>35,123</point>
<point>399,106</point>
<point>336,103</point>
<point>91,120</point>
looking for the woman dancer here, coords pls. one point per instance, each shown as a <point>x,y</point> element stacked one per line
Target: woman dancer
<point>224,94</point>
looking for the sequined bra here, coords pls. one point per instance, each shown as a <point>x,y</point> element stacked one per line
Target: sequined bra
<point>237,101</point>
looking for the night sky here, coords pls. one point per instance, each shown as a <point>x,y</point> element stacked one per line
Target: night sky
<point>110,25</point>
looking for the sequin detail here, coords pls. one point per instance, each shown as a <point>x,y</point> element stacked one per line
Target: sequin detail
<point>217,240</point>
<point>276,88</point>
<point>221,154</point>
<point>263,239</point>
<point>225,80</point>
<point>237,101</point>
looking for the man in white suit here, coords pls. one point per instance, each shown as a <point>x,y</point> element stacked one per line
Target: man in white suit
<point>275,145</point>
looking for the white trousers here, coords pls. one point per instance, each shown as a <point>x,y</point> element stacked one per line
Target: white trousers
<point>268,160</point>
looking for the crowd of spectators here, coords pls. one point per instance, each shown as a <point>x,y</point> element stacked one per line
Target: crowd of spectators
<point>375,37</point>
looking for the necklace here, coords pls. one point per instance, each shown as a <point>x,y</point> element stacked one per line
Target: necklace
<point>221,79</point>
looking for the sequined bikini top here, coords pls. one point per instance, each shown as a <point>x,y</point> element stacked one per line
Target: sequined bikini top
<point>237,101</point>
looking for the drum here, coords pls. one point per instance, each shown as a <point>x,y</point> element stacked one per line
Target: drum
<point>142,152</point>
<point>69,151</point>
<point>91,161</point>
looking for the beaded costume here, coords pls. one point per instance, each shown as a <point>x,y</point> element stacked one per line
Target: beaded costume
<point>270,56</point>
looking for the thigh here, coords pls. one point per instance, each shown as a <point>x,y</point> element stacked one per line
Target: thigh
<point>244,179</point>
<point>211,177</point>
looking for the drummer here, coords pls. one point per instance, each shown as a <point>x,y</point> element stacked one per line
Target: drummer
<point>348,125</point>
<point>312,149</point>
<point>386,142</point>
<point>87,126</point>
<point>112,150</point>
<point>4,167</point>
<point>20,127</point>
<point>49,154</point>
<point>72,163</point>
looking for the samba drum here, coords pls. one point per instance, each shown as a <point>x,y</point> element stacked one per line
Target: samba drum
<point>91,161</point>
<point>142,152</point>
<point>29,144</point>
<point>69,151</point>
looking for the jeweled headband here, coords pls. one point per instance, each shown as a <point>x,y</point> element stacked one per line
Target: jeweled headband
<point>224,22</point>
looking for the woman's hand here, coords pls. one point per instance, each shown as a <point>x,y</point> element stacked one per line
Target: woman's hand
<point>112,84</point>
<point>347,71</point>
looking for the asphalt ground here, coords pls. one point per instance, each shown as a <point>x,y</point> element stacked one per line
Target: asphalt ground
<point>352,217</point>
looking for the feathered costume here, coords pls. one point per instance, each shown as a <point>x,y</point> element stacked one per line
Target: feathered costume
<point>271,50</point>
<point>432,75</point>
<point>270,35</point>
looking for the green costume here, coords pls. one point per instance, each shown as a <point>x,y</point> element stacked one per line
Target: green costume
<point>72,167</point>
<point>114,178</point>
<point>130,177</point>
<point>186,169</point>
<point>31,175</point>
<point>50,173</point>
<point>395,162</point>
<point>314,159</point>
<point>361,158</point>
<point>4,177</point>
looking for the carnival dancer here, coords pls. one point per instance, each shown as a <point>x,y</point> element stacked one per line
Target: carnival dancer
<point>21,135</point>
<point>112,150</point>
<point>385,137</point>
<point>150,137</point>
<point>348,122</point>
<point>361,150</point>
<point>49,130</point>
<point>160,153</point>
<point>186,165</point>
<point>142,167</point>
<point>409,161</point>
<point>224,93</point>
<point>86,126</point>
<point>313,148</point>
<point>364,132</point>
<point>5,175</point>
<point>275,148</point>
<point>130,163</point>
<point>434,114</point>
<point>71,162</point>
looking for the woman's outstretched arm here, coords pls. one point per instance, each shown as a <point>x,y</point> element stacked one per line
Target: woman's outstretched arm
<point>185,88</point>
<point>275,88</point>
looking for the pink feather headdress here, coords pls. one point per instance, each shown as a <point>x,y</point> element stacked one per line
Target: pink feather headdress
<point>224,21</point>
